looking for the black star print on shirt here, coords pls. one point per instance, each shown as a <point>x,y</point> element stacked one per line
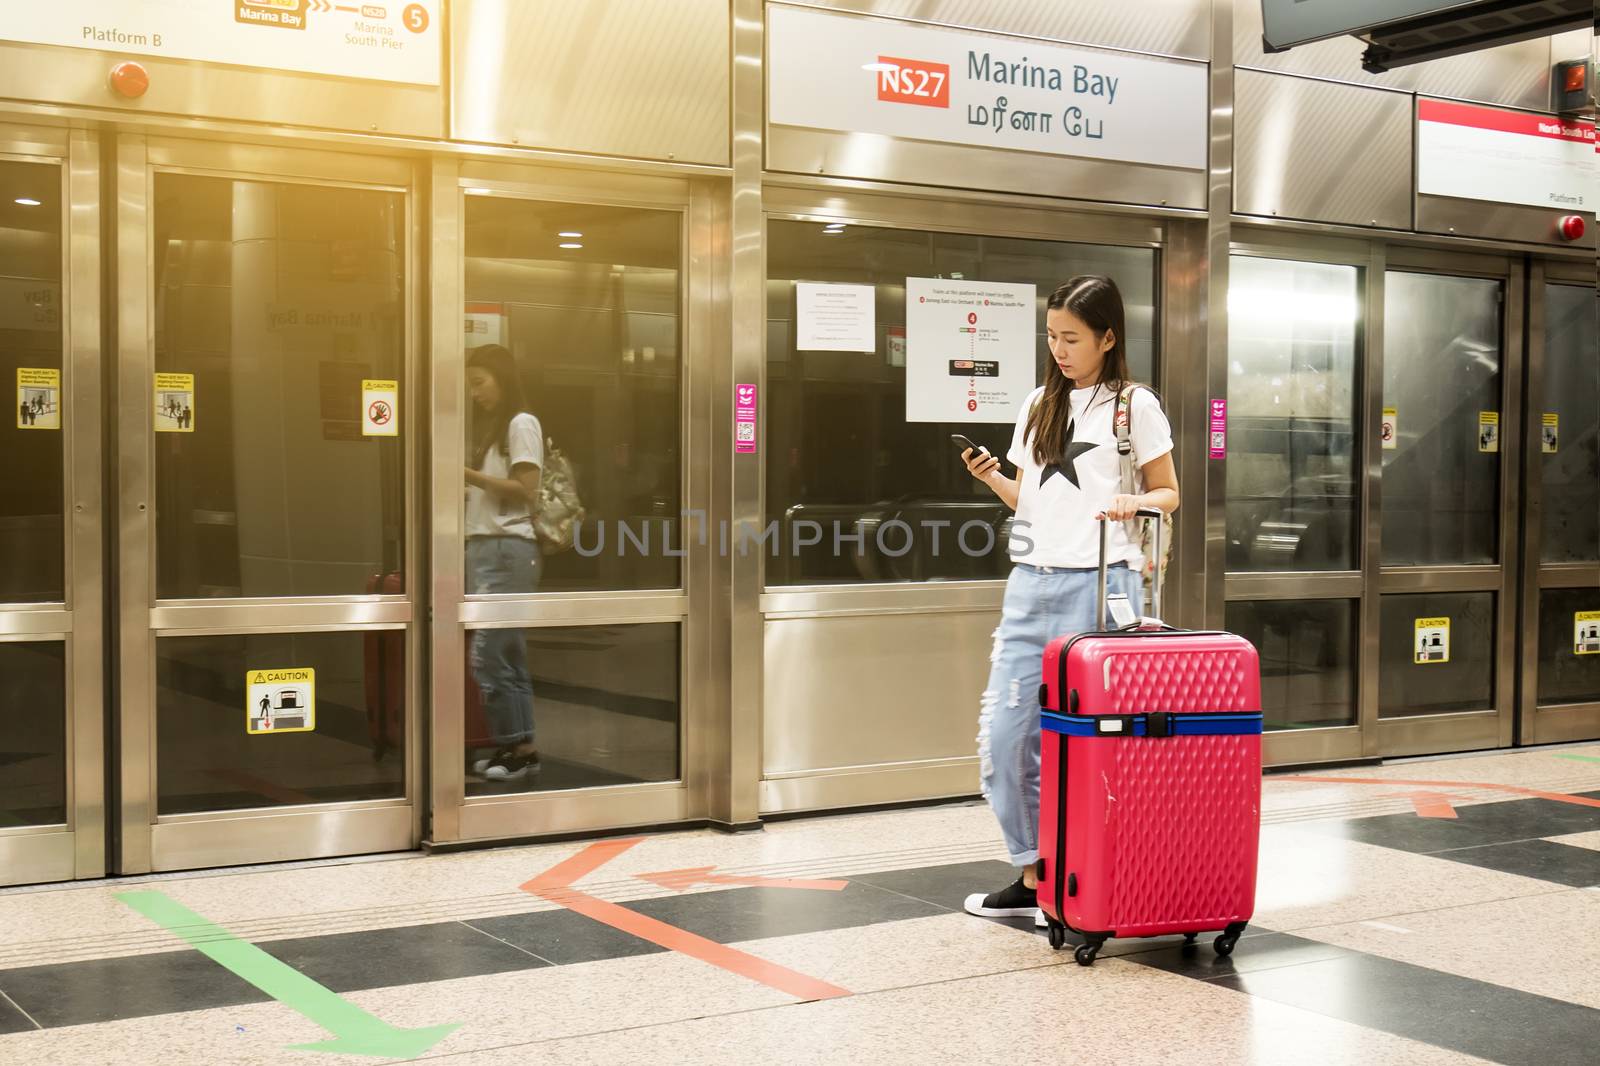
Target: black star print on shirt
<point>1065,465</point>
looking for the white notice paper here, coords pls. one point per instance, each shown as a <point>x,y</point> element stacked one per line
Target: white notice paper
<point>834,318</point>
<point>969,350</point>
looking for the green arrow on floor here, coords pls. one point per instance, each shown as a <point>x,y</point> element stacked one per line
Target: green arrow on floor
<point>1579,758</point>
<point>355,1031</point>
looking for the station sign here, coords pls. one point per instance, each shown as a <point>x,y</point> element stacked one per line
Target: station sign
<point>1506,157</point>
<point>392,41</point>
<point>868,75</point>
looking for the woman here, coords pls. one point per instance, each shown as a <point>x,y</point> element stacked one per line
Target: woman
<point>502,552</point>
<point>1068,474</point>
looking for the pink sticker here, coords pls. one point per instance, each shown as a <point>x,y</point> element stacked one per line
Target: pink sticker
<point>744,418</point>
<point>1219,429</point>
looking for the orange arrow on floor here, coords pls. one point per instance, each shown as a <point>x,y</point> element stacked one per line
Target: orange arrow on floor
<point>678,880</point>
<point>1429,804</point>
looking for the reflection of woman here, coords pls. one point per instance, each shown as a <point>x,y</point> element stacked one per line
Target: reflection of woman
<point>507,453</point>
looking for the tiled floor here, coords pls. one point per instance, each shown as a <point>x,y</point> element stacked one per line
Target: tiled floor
<point>1381,936</point>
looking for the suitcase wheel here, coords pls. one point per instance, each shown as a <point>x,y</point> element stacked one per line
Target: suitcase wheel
<point>1058,936</point>
<point>1086,953</point>
<point>1225,943</point>
<point>1189,939</point>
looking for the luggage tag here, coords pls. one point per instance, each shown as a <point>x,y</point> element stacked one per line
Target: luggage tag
<point>1122,614</point>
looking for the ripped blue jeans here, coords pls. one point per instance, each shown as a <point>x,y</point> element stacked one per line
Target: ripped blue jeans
<point>1041,603</point>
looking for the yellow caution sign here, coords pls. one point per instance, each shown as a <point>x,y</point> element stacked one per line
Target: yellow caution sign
<point>1550,433</point>
<point>1586,633</point>
<point>38,398</point>
<point>380,407</point>
<point>1391,429</point>
<point>1488,431</point>
<point>280,700</point>
<point>174,403</point>
<point>1432,643</point>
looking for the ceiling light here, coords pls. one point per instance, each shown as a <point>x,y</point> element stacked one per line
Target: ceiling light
<point>477,192</point>
<point>570,234</point>
<point>571,244</point>
<point>27,201</point>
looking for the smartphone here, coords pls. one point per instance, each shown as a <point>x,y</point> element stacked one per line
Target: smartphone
<point>962,443</point>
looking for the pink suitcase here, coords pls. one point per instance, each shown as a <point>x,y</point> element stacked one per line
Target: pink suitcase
<point>1150,789</point>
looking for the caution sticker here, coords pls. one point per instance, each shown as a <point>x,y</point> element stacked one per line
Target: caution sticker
<point>38,398</point>
<point>174,403</point>
<point>1432,643</point>
<point>1550,433</point>
<point>1391,428</point>
<point>1586,633</point>
<point>282,700</point>
<point>380,407</point>
<point>1488,431</point>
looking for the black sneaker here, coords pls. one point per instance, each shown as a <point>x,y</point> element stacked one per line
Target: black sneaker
<point>509,766</point>
<point>1014,901</point>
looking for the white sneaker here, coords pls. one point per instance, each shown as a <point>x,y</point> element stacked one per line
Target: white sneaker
<point>1013,901</point>
<point>1040,921</point>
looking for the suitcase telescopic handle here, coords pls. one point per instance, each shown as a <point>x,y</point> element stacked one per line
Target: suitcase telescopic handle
<point>1147,514</point>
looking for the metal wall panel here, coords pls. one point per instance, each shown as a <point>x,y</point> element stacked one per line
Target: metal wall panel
<point>181,87</point>
<point>1165,27</point>
<point>869,690</point>
<point>611,77</point>
<point>1514,74</point>
<point>1323,152</point>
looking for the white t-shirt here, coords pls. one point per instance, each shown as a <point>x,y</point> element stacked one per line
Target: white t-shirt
<point>1055,514</point>
<point>490,514</point>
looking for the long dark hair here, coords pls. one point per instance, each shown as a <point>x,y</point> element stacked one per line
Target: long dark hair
<point>1094,298</point>
<point>492,428</point>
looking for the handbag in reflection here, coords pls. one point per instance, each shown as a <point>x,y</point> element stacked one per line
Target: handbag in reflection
<point>560,511</point>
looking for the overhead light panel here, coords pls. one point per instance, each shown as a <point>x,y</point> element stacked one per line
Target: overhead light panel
<point>27,201</point>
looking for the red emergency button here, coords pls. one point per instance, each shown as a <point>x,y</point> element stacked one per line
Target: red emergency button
<point>1571,227</point>
<point>130,80</point>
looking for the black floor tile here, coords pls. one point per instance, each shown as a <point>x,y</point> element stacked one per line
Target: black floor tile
<point>758,913</point>
<point>12,1020</point>
<point>1473,1017</point>
<point>1253,954</point>
<point>1545,860</point>
<point>944,886</point>
<point>1475,825</point>
<point>139,986</point>
<point>564,937</point>
<point>379,958</point>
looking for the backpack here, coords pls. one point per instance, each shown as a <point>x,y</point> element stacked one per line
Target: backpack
<point>1155,570</point>
<point>555,523</point>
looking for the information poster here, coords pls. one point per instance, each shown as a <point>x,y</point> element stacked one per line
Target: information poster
<point>282,700</point>
<point>174,403</point>
<point>1586,633</point>
<point>1508,157</point>
<point>835,318</point>
<point>1488,431</point>
<point>970,349</point>
<point>394,41</point>
<point>380,407</point>
<point>1432,641</point>
<point>38,398</point>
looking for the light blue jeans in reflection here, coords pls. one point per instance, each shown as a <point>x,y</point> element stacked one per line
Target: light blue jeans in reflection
<point>1041,603</point>
<point>500,656</point>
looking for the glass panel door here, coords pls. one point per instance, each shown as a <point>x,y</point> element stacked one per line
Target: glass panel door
<point>1560,644</point>
<point>1445,620</point>
<point>265,417</point>
<point>51,769</point>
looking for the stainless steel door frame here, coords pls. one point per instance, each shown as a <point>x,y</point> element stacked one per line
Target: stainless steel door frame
<point>1494,726</point>
<point>1563,722</point>
<point>76,849</point>
<point>703,236</point>
<point>146,840</point>
<point>1336,743</point>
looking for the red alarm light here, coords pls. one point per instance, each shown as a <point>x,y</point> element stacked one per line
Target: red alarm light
<point>130,80</point>
<point>1571,227</point>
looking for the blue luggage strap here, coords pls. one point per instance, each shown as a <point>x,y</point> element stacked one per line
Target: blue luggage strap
<point>1154,724</point>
